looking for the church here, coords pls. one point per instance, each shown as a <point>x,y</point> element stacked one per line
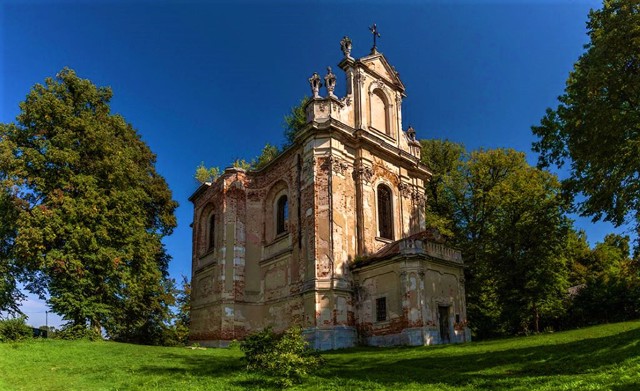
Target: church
<point>330,235</point>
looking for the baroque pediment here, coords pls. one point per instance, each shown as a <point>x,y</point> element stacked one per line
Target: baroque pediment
<point>379,67</point>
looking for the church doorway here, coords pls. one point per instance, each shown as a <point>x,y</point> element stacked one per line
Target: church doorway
<point>443,315</point>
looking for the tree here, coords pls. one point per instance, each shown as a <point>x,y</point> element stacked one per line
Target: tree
<point>578,255</point>
<point>92,210</point>
<point>295,121</point>
<point>204,174</point>
<point>508,219</point>
<point>611,292</point>
<point>10,295</point>
<point>596,126</point>
<point>269,152</point>
<point>183,315</point>
<point>241,163</point>
<point>528,238</point>
<point>443,158</point>
<point>609,256</point>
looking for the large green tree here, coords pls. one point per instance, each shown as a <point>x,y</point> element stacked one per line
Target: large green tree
<point>596,126</point>
<point>508,219</point>
<point>444,158</point>
<point>91,209</point>
<point>578,255</point>
<point>10,295</point>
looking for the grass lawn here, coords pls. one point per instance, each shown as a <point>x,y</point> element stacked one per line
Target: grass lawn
<point>596,358</point>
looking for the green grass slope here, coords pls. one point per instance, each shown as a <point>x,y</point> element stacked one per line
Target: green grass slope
<point>596,358</point>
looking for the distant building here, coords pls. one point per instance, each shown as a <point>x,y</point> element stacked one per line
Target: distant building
<point>331,234</point>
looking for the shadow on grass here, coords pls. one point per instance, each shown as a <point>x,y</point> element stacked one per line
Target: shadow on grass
<point>457,366</point>
<point>228,367</point>
<point>197,365</point>
<point>509,367</point>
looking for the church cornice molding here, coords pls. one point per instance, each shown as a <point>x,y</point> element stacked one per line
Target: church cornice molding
<point>278,256</point>
<point>361,138</point>
<point>403,259</point>
<point>201,189</point>
<point>205,268</point>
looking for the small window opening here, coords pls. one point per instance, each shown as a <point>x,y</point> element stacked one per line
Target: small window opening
<point>385,212</point>
<point>212,232</point>
<point>282,215</point>
<point>381,309</point>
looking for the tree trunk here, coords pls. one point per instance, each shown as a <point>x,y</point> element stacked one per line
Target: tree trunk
<point>96,327</point>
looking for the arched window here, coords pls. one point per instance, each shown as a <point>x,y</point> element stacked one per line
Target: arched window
<point>385,212</point>
<point>212,232</point>
<point>282,215</point>
<point>379,112</point>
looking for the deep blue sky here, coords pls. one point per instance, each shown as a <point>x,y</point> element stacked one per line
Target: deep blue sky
<point>210,81</point>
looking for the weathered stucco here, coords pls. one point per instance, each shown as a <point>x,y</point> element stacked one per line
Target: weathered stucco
<point>324,262</point>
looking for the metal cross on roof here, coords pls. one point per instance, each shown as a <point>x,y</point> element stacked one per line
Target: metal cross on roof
<point>376,34</point>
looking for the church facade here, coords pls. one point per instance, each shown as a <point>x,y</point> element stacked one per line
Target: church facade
<point>331,234</point>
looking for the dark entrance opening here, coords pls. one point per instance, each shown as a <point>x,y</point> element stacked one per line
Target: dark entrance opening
<point>443,315</point>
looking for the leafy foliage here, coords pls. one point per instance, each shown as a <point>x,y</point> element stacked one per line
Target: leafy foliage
<point>209,175</point>
<point>577,252</point>
<point>10,295</point>
<point>183,316</point>
<point>204,174</point>
<point>295,121</point>
<point>508,219</point>
<point>269,152</point>
<point>145,318</point>
<point>596,126</point>
<point>605,300</point>
<point>91,209</point>
<point>14,329</point>
<point>443,158</point>
<point>72,332</point>
<point>241,163</point>
<point>611,288</point>
<point>286,357</point>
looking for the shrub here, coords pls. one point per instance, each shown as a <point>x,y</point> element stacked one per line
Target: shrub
<point>286,357</point>
<point>73,332</point>
<point>15,329</point>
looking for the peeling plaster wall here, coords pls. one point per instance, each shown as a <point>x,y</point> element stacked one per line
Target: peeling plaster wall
<point>252,278</point>
<point>414,289</point>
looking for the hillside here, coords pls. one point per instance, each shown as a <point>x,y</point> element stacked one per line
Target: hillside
<point>596,358</point>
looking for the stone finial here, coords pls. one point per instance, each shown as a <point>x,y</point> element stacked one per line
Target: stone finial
<point>345,46</point>
<point>330,82</point>
<point>411,132</point>
<point>316,83</point>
